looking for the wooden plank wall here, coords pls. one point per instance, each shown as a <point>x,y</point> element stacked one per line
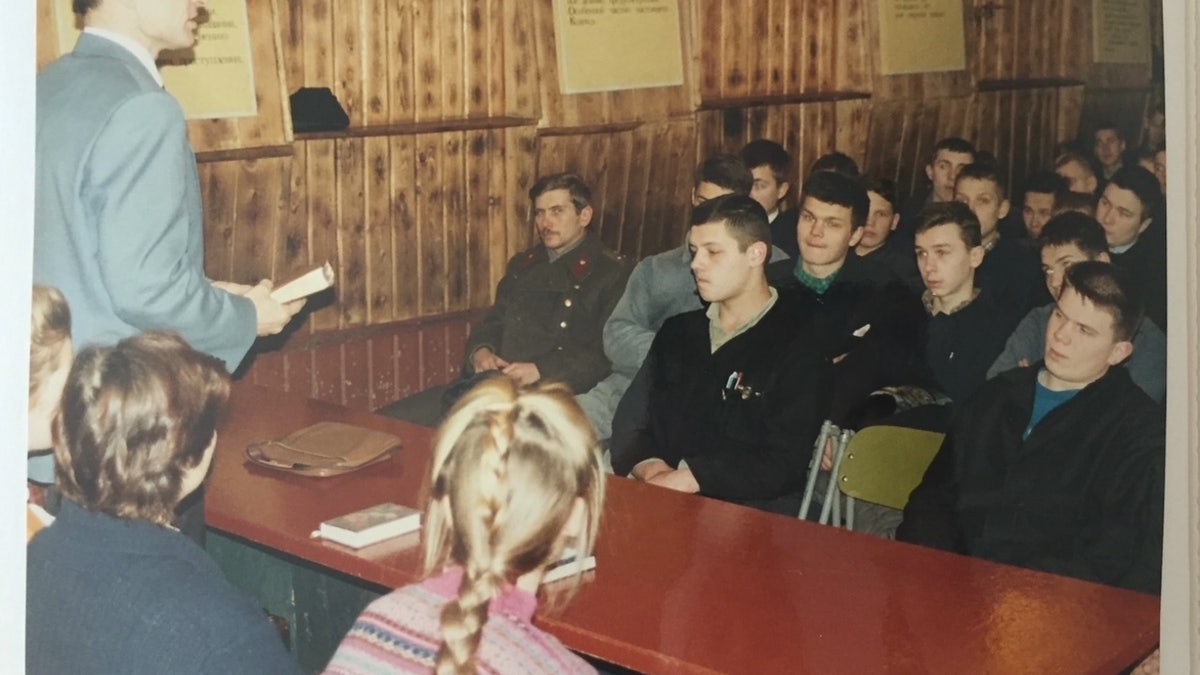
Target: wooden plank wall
<point>455,109</point>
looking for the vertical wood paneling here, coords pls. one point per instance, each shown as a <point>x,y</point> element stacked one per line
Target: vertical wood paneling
<point>379,253</point>
<point>322,223</point>
<point>431,234</point>
<point>400,84</point>
<point>218,181</point>
<point>406,239</point>
<point>350,229</point>
<point>454,222</point>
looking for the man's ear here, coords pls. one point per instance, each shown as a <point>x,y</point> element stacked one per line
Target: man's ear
<point>895,222</point>
<point>1103,256</point>
<point>1144,225</point>
<point>585,215</point>
<point>929,172</point>
<point>759,252</point>
<point>784,188</point>
<point>1005,205</point>
<point>975,256</point>
<point>695,199</point>
<point>856,235</point>
<point>1120,351</point>
<point>1091,184</point>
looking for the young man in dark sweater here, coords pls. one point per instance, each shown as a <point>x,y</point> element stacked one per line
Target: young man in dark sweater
<point>729,396</point>
<point>1009,271</point>
<point>771,166</point>
<point>967,328</point>
<point>1137,243</point>
<point>1058,466</point>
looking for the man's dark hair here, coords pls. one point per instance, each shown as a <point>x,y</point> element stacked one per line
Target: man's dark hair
<point>837,162</point>
<point>1045,182</point>
<point>1141,183</point>
<point>952,213</point>
<point>952,144</point>
<point>836,188</point>
<point>763,152</point>
<point>884,187</point>
<point>81,7</point>
<point>727,171</point>
<point>1104,125</point>
<point>745,219</point>
<point>1078,202</point>
<point>1110,288</point>
<point>1074,228</point>
<point>581,194</point>
<point>985,171</point>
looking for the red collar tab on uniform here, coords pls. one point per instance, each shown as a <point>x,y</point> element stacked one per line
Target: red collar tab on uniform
<point>581,267</point>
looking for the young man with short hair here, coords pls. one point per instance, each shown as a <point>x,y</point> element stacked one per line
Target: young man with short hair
<point>876,242</point>
<point>1041,190</point>
<point>1108,144</point>
<point>660,287</point>
<point>771,165</point>
<point>1078,171</point>
<point>949,156</point>
<point>966,326</point>
<point>1008,271</point>
<point>866,321</point>
<point>1059,466</point>
<point>727,395</point>
<point>1127,211</point>
<point>1068,239</point>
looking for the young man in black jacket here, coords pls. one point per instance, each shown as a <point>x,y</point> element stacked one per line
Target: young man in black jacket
<point>729,397</point>
<point>1057,466</point>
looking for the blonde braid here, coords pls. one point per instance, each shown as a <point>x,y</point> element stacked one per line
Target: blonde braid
<point>464,617</point>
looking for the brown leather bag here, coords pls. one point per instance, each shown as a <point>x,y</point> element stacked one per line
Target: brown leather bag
<point>325,449</point>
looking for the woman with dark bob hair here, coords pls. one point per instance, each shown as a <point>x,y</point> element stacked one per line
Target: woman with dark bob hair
<point>112,587</point>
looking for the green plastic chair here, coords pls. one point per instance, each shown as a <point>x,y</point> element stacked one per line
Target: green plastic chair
<point>882,464</point>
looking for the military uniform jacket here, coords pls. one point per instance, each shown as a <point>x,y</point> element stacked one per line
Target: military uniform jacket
<point>552,313</point>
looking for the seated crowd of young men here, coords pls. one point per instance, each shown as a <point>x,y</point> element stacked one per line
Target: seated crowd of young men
<point>1016,328</point>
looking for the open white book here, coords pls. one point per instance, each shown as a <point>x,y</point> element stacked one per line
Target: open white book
<point>312,281</point>
<point>370,525</point>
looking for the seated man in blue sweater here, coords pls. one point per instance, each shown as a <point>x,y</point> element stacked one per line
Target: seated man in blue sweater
<point>728,397</point>
<point>1067,239</point>
<point>1057,466</point>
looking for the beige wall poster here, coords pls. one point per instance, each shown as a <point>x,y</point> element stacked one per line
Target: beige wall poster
<point>606,45</point>
<point>213,80</point>
<point>921,36</point>
<point>1120,31</point>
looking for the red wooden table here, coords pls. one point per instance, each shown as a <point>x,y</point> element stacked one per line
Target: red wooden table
<point>688,584</point>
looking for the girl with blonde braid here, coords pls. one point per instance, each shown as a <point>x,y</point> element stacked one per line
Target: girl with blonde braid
<point>516,476</point>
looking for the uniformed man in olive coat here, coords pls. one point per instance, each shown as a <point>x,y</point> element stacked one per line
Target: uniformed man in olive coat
<point>550,310</point>
<point>554,298</point>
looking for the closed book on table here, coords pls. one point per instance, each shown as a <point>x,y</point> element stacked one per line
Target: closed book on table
<point>371,525</point>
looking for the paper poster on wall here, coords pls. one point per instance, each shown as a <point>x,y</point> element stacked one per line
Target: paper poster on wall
<point>1120,31</point>
<point>921,36</point>
<point>608,45</point>
<point>213,80</point>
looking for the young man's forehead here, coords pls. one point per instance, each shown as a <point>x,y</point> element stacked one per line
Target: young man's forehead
<point>977,185</point>
<point>1042,199</point>
<point>940,235</point>
<point>953,156</point>
<point>826,209</point>
<point>1122,198</point>
<point>712,232</point>
<point>1070,250</point>
<point>1084,312</point>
